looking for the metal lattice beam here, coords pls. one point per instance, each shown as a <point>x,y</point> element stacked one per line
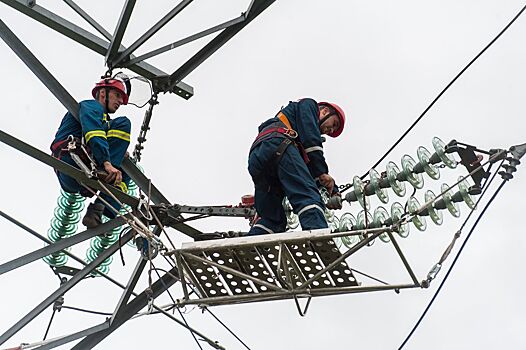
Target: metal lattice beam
<point>91,41</point>
<point>177,9</point>
<point>64,288</point>
<point>137,304</point>
<point>115,43</point>
<point>254,10</point>
<point>88,19</point>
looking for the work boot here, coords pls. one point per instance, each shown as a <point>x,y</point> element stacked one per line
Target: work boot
<point>93,217</point>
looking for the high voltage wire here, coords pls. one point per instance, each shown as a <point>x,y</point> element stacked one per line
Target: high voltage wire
<point>444,90</point>
<point>456,256</point>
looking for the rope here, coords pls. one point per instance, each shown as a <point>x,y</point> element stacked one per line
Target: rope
<point>444,90</point>
<point>454,261</point>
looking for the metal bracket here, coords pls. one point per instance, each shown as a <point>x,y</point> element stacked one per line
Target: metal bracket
<point>469,159</point>
<point>518,151</point>
<point>170,215</point>
<point>301,311</point>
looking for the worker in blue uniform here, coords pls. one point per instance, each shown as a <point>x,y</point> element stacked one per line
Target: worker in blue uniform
<point>106,140</point>
<point>286,159</point>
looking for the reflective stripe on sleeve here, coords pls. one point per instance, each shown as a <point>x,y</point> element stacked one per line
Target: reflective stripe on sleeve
<point>313,148</point>
<point>264,228</point>
<point>308,207</point>
<point>94,133</point>
<point>123,135</point>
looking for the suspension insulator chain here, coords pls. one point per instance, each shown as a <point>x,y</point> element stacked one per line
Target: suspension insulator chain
<point>64,223</point>
<point>144,128</point>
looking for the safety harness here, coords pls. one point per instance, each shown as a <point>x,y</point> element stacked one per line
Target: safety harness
<point>288,134</point>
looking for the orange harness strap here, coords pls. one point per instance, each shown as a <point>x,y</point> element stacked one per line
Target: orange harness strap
<point>284,120</point>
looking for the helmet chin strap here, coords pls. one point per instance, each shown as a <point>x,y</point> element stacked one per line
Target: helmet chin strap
<point>325,119</point>
<point>107,98</point>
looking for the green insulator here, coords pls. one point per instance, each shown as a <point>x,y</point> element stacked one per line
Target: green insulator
<point>360,220</point>
<point>375,183</point>
<point>392,175</point>
<point>335,224</point>
<point>436,215</point>
<point>424,156</point>
<point>363,222</point>
<point>415,179</point>
<point>69,206</point>
<point>99,244</point>
<point>62,229</point>
<point>463,186</point>
<point>92,255</point>
<point>359,189</point>
<point>380,216</point>
<point>419,221</point>
<point>452,207</point>
<point>67,216</point>
<point>55,235</point>
<point>56,259</point>
<point>347,221</point>
<point>132,187</point>
<point>440,149</point>
<point>397,210</point>
<point>103,266</point>
<point>328,213</point>
<point>64,223</point>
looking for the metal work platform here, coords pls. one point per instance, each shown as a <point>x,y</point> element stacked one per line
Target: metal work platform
<point>269,267</point>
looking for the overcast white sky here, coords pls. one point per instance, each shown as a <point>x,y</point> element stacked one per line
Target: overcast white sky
<point>383,62</point>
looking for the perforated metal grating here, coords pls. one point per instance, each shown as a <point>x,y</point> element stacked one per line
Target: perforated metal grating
<point>302,260</point>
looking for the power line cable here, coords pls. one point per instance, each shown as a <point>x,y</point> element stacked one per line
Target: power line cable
<point>454,261</point>
<point>49,324</point>
<point>226,327</point>
<point>173,300</point>
<point>443,91</point>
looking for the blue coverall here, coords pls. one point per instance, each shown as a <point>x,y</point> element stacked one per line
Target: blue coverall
<point>107,140</point>
<point>291,176</point>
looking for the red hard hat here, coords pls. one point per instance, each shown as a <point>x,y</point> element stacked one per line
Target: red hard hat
<point>341,115</point>
<point>112,83</point>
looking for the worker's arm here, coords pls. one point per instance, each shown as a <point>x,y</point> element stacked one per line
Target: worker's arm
<point>310,137</point>
<point>92,119</point>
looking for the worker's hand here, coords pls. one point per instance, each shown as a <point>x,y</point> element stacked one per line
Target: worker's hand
<point>114,174</point>
<point>326,181</point>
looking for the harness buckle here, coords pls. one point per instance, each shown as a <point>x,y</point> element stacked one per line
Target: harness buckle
<point>291,133</point>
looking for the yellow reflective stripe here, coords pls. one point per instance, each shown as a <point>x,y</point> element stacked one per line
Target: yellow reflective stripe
<point>94,133</point>
<point>123,135</point>
<point>284,120</point>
